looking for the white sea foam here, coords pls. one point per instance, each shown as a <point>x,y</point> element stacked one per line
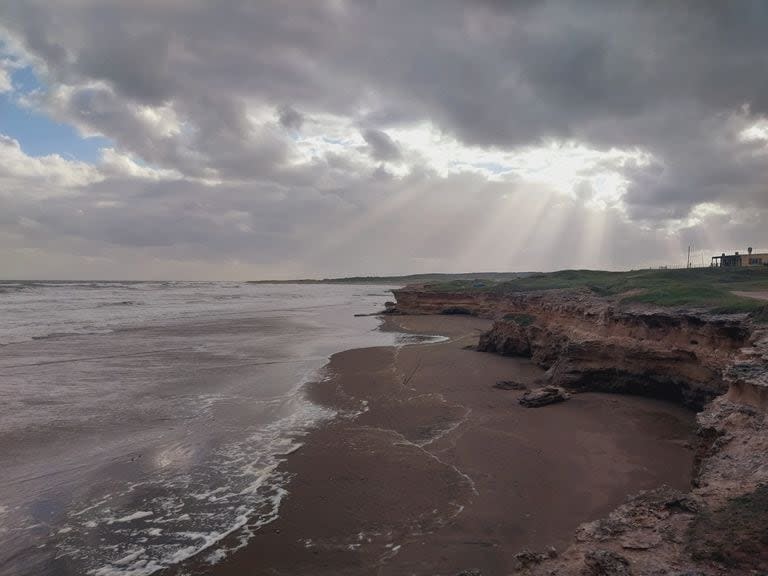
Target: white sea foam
<point>194,388</point>
<point>251,497</point>
<point>131,517</point>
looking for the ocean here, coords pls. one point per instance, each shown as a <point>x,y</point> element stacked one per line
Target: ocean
<point>142,422</point>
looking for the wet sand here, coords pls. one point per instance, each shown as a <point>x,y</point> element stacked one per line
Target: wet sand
<point>430,470</point>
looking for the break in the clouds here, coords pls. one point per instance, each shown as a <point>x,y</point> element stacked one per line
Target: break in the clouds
<point>248,139</point>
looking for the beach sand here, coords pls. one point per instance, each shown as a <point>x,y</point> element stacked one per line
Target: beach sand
<point>430,470</point>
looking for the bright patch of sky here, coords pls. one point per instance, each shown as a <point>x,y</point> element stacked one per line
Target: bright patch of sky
<point>5,80</point>
<point>573,169</point>
<point>758,131</point>
<point>701,212</point>
<point>37,133</point>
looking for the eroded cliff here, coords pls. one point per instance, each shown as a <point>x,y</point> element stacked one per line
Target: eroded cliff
<point>715,364</point>
<point>589,343</point>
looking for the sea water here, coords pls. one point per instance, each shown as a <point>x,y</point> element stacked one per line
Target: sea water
<point>142,422</point>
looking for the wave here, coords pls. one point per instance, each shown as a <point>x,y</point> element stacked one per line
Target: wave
<point>187,514</point>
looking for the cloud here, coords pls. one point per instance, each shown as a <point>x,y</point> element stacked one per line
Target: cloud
<point>5,79</point>
<point>380,145</point>
<point>115,164</point>
<point>262,123</point>
<point>42,176</point>
<point>290,118</point>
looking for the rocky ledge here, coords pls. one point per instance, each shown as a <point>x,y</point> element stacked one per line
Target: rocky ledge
<point>544,396</point>
<point>589,343</point>
<point>717,365</point>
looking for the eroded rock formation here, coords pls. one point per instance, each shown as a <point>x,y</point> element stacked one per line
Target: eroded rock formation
<point>543,396</point>
<point>589,343</point>
<point>715,364</point>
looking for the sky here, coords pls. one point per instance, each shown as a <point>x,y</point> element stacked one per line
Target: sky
<point>192,139</point>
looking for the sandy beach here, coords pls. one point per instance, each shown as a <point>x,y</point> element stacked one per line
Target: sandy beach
<point>430,470</point>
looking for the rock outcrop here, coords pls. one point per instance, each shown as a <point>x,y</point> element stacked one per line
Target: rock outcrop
<point>544,396</point>
<point>719,528</point>
<point>715,364</point>
<point>589,343</point>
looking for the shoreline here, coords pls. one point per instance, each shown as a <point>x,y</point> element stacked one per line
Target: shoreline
<point>429,470</point>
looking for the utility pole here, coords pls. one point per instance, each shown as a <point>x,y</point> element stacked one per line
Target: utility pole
<point>689,257</point>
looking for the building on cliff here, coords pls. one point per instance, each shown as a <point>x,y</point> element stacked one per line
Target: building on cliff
<point>749,259</point>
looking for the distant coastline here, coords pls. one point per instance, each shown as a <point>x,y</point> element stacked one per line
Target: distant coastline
<point>405,279</point>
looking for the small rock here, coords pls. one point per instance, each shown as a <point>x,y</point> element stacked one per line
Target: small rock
<point>552,552</point>
<point>470,572</point>
<point>682,504</point>
<point>390,308</point>
<point>605,563</point>
<point>543,396</point>
<point>510,385</point>
<point>526,558</point>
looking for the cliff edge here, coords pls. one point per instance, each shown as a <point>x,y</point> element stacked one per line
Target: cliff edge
<point>714,363</point>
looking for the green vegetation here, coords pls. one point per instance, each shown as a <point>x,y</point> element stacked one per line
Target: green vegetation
<point>760,315</point>
<point>709,288</point>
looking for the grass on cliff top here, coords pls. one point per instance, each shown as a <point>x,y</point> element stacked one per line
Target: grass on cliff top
<point>709,288</point>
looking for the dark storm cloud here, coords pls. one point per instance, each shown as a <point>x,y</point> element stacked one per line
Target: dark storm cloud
<point>380,145</point>
<point>492,72</point>
<point>678,81</point>
<point>290,118</point>
<point>472,64</point>
<point>137,64</point>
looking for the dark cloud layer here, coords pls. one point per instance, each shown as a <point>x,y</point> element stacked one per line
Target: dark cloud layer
<point>381,146</point>
<point>217,92</point>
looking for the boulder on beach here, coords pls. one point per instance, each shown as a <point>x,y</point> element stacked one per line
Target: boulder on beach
<point>543,396</point>
<point>510,385</point>
<point>390,307</point>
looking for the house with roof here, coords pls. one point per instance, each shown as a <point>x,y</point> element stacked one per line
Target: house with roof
<point>751,258</point>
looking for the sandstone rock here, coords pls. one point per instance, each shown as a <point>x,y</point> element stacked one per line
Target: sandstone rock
<point>513,340</point>
<point>390,308</point>
<point>543,396</point>
<point>593,343</point>
<point>605,563</point>
<point>526,558</point>
<point>510,385</point>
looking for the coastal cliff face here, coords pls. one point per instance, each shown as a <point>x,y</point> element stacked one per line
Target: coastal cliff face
<point>717,365</point>
<point>587,343</point>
